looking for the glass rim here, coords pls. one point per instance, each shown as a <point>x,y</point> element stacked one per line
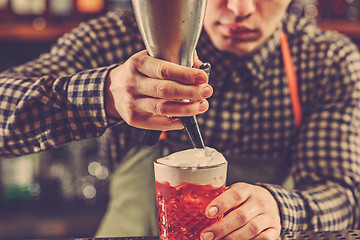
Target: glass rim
<point>190,168</point>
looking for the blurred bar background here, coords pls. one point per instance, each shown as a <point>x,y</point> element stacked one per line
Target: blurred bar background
<point>339,15</point>
<point>64,192</point>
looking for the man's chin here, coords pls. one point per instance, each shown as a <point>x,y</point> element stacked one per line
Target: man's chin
<point>238,48</point>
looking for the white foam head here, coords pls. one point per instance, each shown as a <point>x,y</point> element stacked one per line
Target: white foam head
<point>198,166</point>
<point>194,158</point>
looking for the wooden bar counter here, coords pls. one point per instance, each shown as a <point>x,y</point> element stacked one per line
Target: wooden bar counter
<point>306,235</point>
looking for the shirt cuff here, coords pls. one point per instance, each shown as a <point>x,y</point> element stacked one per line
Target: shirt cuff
<point>87,115</point>
<point>292,208</point>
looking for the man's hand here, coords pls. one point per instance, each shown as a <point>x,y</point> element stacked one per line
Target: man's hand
<point>145,91</point>
<point>255,214</point>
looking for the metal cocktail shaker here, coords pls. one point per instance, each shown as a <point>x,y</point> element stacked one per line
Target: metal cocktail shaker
<point>170,30</point>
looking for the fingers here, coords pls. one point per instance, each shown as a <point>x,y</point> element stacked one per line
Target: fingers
<point>171,108</point>
<point>232,197</point>
<point>252,213</point>
<point>153,122</point>
<point>270,234</point>
<point>197,61</point>
<point>241,219</point>
<point>151,113</point>
<point>144,91</point>
<point>238,225</point>
<point>160,69</point>
<point>172,90</point>
<point>160,79</point>
<point>257,228</point>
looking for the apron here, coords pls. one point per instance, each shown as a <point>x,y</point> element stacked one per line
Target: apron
<point>132,207</point>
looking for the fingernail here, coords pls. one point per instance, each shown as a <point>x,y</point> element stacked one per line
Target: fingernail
<point>203,106</point>
<point>213,210</point>
<point>207,91</point>
<point>208,236</point>
<point>199,78</point>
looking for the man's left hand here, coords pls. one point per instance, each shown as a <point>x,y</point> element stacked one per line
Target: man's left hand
<point>251,212</point>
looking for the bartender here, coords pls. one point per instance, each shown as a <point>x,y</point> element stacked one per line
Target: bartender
<point>282,104</point>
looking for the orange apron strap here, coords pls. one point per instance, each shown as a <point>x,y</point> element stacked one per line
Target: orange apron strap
<point>162,136</point>
<point>292,79</point>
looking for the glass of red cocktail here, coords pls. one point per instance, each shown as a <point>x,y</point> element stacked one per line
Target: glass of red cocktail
<point>185,188</point>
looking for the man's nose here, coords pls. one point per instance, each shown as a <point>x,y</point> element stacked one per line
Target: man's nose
<point>241,8</point>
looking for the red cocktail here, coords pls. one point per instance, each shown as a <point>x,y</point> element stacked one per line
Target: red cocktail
<point>181,209</point>
<point>183,192</point>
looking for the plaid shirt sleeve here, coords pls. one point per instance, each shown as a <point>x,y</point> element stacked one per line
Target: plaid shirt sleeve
<point>56,98</point>
<point>326,153</point>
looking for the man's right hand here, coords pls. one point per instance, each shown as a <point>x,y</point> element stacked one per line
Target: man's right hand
<point>145,91</point>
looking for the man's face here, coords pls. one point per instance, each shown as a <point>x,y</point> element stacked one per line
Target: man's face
<point>242,26</point>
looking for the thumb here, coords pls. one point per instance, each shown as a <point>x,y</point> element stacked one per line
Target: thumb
<point>197,61</point>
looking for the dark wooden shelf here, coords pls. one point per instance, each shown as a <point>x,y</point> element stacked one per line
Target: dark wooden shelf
<point>25,32</point>
<point>347,27</point>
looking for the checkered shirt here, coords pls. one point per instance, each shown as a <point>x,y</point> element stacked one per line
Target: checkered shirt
<point>58,98</point>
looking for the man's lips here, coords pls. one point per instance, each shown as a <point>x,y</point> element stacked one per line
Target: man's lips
<point>238,31</point>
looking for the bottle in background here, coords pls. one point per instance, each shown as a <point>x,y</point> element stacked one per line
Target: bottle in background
<point>28,7</point>
<point>4,10</point>
<point>90,8</point>
<point>18,179</point>
<point>33,11</point>
<point>306,8</point>
<point>340,9</point>
<point>61,10</point>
